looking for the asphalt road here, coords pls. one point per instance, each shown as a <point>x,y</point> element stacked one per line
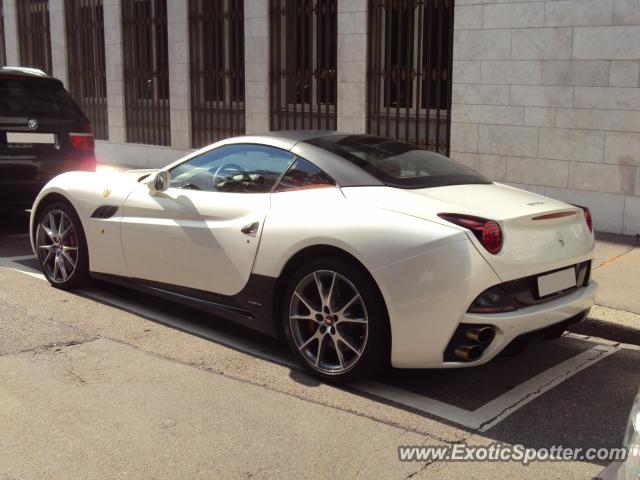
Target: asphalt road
<point>108,383</point>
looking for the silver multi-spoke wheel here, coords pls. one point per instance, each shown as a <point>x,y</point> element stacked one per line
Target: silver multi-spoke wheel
<point>57,244</point>
<point>328,321</point>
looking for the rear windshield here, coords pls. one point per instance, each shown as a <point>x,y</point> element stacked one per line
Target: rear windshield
<point>399,164</point>
<point>35,96</point>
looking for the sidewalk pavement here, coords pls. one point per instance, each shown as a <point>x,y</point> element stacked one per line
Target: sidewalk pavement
<point>616,268</point>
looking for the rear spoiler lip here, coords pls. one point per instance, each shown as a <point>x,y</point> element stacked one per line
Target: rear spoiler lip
<point>550,216</point>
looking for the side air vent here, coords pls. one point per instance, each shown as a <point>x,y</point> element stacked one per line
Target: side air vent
<point>105,211</point>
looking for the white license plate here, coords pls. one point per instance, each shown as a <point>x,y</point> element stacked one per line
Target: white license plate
<point>22,138</point>
<point>556,281</point>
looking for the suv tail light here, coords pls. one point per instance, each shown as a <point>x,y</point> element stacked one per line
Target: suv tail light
<point>82,141</point>
<point>488,232</point>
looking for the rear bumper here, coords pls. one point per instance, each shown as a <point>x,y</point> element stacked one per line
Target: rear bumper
<point>20,190</point>
<point>531,320</point>
<point>19,193</point>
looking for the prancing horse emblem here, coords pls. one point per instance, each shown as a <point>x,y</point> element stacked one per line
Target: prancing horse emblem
<point>32,124</point>
<point>560,239</point>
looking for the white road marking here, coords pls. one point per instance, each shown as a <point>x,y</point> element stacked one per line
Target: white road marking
<point>493,412</point>
<point>482,419</point>
<point>174,321</point>
<point>500,408</point>
<point>178,322</point>
<point>12,263</point>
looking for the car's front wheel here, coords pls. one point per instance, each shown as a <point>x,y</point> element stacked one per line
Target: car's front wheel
<point>335,322</point>
<point>61,246</point>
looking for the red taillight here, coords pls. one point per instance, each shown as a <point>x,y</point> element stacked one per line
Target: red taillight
<point>587,218</point>
<point>82,141</point>
<point>492,237</point>
<point>488,232</point>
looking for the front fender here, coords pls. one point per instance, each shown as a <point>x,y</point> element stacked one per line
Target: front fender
<point>86,191</point>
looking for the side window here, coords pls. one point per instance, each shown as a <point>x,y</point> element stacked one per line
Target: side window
<point>303,174</point>
<point>241,168</point>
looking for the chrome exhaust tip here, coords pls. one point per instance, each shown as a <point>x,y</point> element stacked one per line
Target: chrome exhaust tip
<point>484,335</point>
<point>468,353</point>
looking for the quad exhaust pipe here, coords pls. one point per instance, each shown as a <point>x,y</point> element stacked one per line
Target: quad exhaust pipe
<point>484,335</point>
<point>468,353</point>
<point>481,336</point>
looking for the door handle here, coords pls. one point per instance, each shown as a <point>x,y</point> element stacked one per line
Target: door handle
<point>251,229</point>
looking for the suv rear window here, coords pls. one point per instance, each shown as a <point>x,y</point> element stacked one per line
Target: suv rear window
<point>399,164</point>
<point>35,96</point>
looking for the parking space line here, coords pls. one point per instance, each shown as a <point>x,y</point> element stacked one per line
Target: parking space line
<point>12,263</point>
<point>496,410</point>
<point>179,323</point>
<point>419,402</point>
<point>481,419</point>
<point>500,408</point>
<point>173,321</point>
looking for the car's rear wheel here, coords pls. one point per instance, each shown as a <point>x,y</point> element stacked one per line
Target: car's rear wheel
<point>335,322</point>
<point>61,247</point>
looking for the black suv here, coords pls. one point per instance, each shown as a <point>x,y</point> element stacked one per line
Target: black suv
<point>42,134</point>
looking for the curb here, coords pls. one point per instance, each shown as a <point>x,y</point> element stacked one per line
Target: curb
<point>608,330</point>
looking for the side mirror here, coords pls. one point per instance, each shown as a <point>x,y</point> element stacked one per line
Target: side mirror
<point>159,181</point>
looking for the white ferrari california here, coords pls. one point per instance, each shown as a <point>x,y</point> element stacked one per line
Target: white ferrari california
<point>358,250</point>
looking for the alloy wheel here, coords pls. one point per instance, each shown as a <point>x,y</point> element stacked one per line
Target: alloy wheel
<point>57,245</point>
<point>329,322</point>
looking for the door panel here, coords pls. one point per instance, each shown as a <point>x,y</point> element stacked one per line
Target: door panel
<point>193,238</point>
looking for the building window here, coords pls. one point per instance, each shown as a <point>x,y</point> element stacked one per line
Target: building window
<point>34,37</point>
<point>303,64</point>
<point>3,51</point>
<point>216,45</point>
<point>409,71</point>
<point>87,77</point>
<point>146,71</point>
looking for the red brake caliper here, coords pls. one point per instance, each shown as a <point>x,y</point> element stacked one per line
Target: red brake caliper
<point>72,241</point>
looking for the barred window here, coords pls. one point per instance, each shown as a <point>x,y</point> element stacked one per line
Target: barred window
<point>303,64</point>
<point>146,71</point>
<point>3,51</point>
<point>34,35</point>
<point>409,71</point>
<point>86,60</point>
<point>216,44</point>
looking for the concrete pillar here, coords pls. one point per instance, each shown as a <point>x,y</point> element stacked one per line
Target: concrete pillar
<point>179,82</point>
<point>11,32</point>
<point>58,41</point>
<point>352,66</point>
<point>256,65</point>
<point>113,62</point>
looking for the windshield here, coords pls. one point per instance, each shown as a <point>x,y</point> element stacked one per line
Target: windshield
<point>399,164</point>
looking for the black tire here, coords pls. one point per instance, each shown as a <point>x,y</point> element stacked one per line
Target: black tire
<point>79,277</point>
<point>375,350</point>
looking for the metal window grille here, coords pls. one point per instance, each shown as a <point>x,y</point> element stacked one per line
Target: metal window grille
<point>303,64</point>
<point>409,71</point>
<point>3,52</point>
<point>85,47</point>
<point>146,71</point>
<point>216,44</point>
<point>34,37</point>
